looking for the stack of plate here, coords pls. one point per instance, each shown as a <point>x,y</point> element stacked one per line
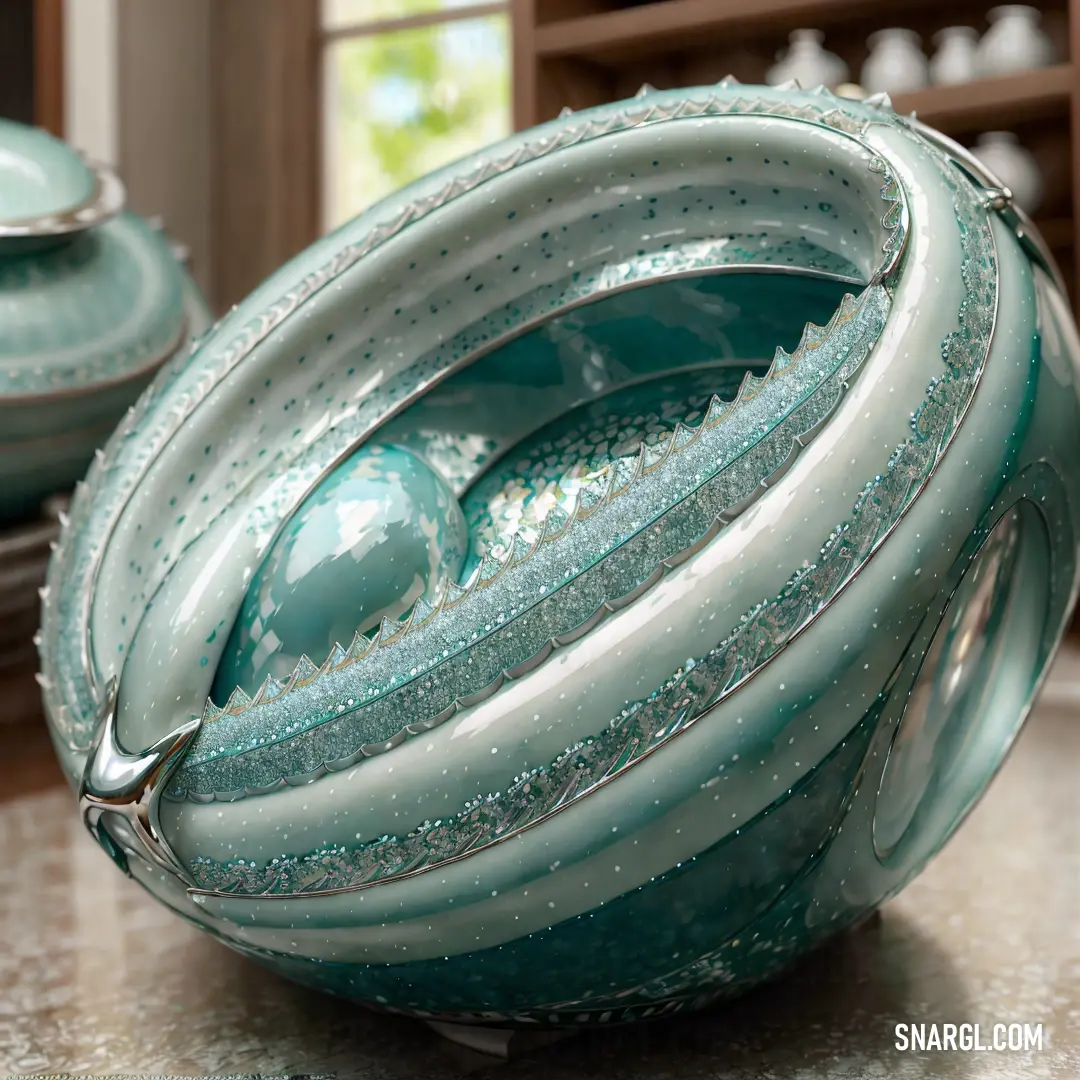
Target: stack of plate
<point>24,555</point>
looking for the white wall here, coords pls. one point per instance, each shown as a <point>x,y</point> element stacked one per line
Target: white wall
<point>138,96</point>
<point>165,114</point>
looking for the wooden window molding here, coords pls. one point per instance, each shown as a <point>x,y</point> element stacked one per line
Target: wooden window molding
<point>436,17</point>
<point>49,65</point>
<point>266,139</point>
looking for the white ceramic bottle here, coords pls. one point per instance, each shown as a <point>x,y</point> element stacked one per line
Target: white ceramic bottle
<point>1014,42</point>
<point>808,62</point>
<point>896,63</point>
<point>954,61</point>
<point>1002,154</point>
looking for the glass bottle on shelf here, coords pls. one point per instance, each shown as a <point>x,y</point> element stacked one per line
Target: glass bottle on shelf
<point>1014,42</point>
<point>954,62</point>
<point>896,63</point>
<point>1015,167</point>
<point>808,63</point>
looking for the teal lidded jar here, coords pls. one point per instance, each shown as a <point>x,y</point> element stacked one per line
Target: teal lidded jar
<point>92,303</point>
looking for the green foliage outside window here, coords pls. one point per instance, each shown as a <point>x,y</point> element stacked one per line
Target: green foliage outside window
<point>403,103</point>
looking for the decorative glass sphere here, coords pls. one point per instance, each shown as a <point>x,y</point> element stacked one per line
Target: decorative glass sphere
<point>595,575</point>
<point>382,531</point>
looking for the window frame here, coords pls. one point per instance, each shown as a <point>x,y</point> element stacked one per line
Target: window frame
<point>332,35</point>
<point>267,128</point>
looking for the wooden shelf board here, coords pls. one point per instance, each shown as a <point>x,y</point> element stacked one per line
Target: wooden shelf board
<point>647,29</point>
<point>992,103</point>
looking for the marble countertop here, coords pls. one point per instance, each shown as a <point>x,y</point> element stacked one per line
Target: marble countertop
<point>96,978</point>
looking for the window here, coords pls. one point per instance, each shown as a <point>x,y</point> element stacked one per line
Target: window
<point>408,86</point>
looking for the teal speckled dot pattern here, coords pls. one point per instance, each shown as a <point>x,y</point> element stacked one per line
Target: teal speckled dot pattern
<point>379,533</point>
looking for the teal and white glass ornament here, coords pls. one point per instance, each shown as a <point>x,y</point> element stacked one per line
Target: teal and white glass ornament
<point>701,474</point>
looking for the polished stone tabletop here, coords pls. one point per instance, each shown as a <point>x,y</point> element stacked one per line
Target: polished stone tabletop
<point>97,978</point>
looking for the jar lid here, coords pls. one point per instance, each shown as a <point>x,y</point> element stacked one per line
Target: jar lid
<point>47,189</point>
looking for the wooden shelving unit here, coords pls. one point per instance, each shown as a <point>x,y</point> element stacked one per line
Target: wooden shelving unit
<point>584,52</point>
<point>616,33</point>
<point>1013,99</point>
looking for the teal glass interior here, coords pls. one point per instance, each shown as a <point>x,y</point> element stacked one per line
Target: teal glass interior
<point>621,370</point>
<point>730,321</point>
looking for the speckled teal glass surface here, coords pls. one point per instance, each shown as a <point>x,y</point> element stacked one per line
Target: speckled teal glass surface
<point>730,564</point>
<point>656,506</point>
